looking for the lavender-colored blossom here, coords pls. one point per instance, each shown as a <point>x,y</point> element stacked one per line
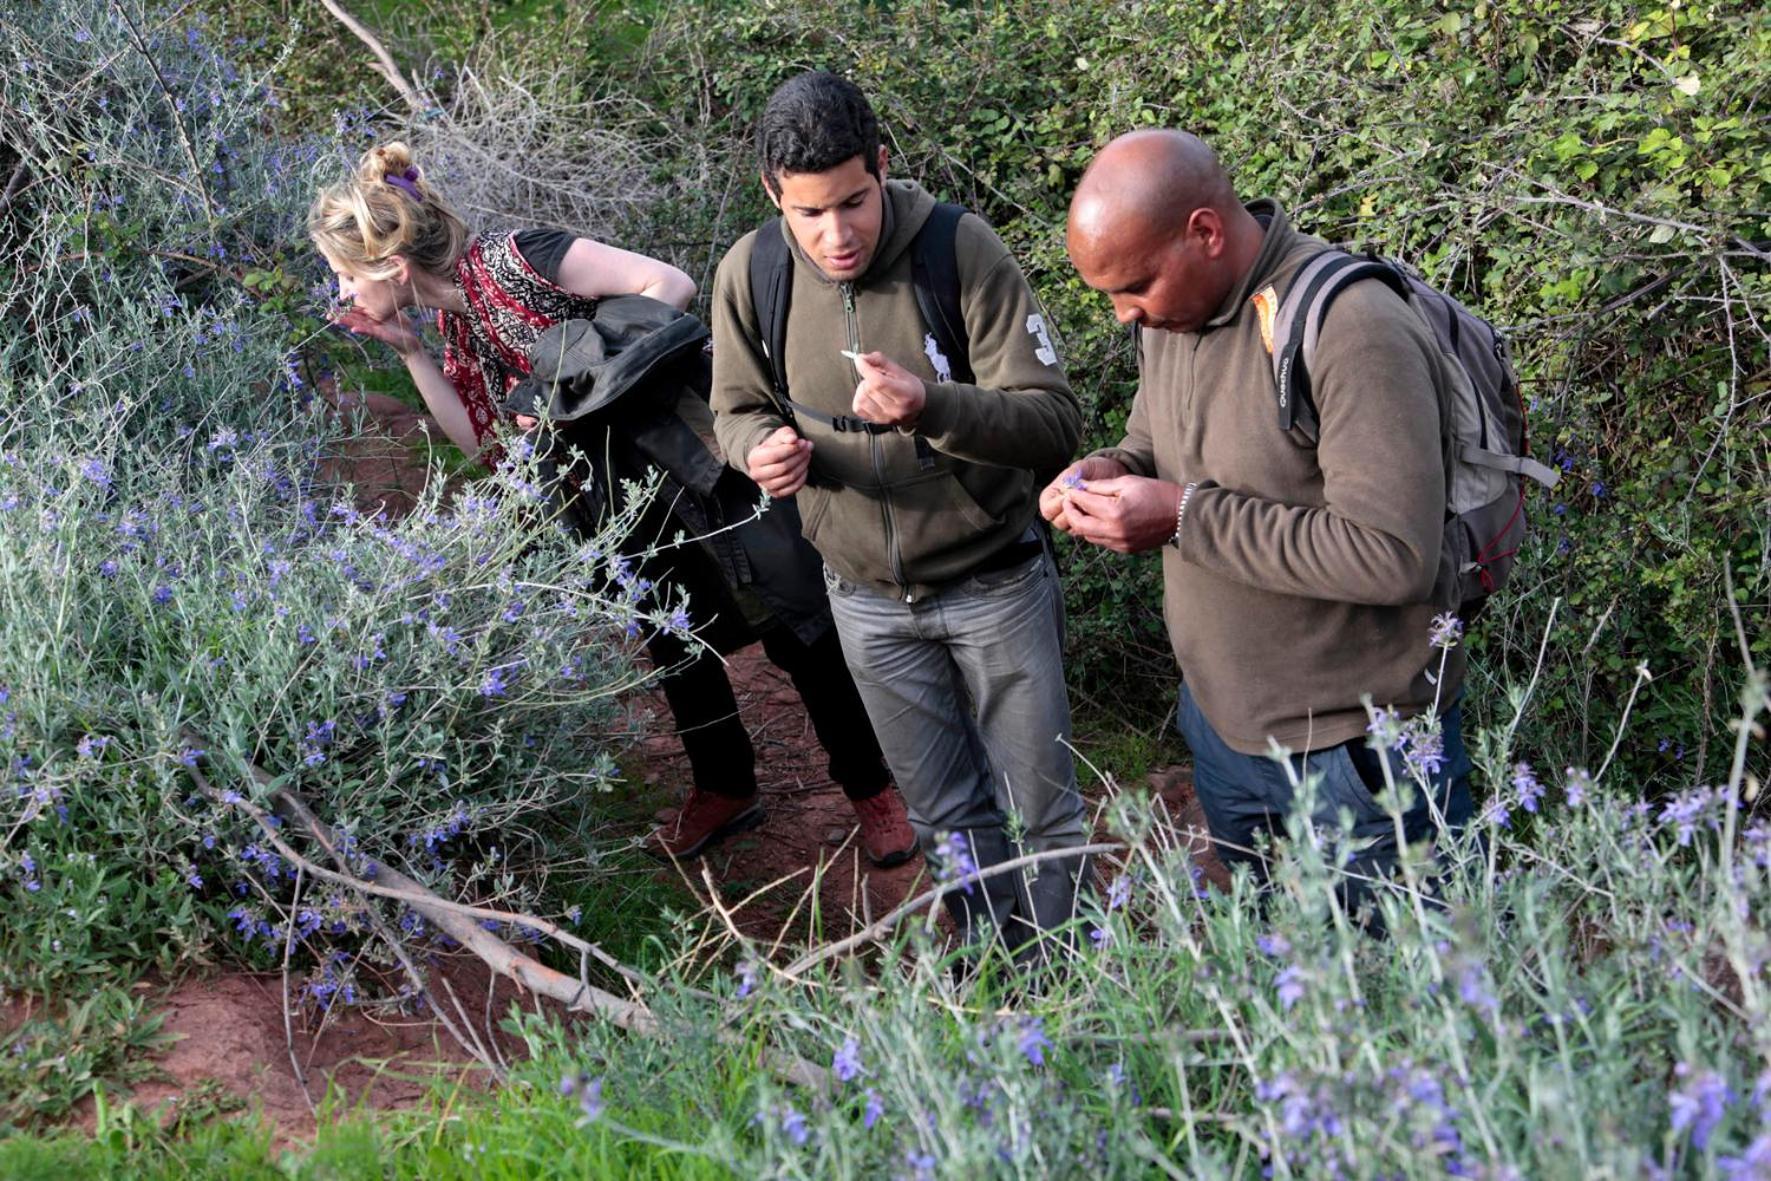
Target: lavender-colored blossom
<point>1496,813</point>
<point>953,858</point>
<point>189,755</point>
<point>1686,811</point>
<point>847,1062</point>
<point>1474,991</point>
<point>1752,1165</point>
<point>1032,1042</point>
<point>793,1124</point>
<point>1446,630</point>
<point>162,595</point>
<point>316,740</point>
<point>1101,937</point>
<point>1289,984</point>
<point>447,636</point>
<point>746,973</point>
<point>1119,893</point>
<point>1277,946</point>
<point>590,1100</point>
<point>1577,787</point>
<point>1073,479</point>
<point>874,1109</point>
<point>1424,754</point>
<point>1526,784</point>
<point>91,746</point>
<point>1699,1104</point>
<point>96,471</point>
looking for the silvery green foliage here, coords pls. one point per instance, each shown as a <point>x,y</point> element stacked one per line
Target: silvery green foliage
<point>1577,988</point>
<point>181,596</point>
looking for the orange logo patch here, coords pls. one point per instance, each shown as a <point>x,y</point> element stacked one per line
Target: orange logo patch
<point>1266,306</point>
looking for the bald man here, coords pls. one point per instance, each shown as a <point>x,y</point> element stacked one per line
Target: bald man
<point>1296,573</point>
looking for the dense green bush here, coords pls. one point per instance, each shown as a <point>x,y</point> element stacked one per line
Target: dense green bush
<point>1593,176</point>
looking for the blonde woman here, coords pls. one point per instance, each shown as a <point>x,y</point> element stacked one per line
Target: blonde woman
<point>395,242</point>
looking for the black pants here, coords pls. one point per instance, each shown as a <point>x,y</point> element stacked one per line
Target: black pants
<point>699,693</point>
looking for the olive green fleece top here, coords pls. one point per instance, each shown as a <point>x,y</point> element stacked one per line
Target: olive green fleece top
<point>880,515</point>
<point>1302,574</point>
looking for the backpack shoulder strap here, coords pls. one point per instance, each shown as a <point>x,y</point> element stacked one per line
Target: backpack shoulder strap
<point>934,271</point>
<point>771,288</point>
<point>1298,323</point>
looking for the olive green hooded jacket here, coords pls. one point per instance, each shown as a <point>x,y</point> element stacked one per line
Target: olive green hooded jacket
<point>882,515</point>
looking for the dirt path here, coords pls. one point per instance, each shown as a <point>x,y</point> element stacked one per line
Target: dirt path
<point>764,877</point>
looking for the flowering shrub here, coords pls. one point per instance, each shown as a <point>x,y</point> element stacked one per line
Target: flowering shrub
<point>1587,998</point>
<point>185,604</point>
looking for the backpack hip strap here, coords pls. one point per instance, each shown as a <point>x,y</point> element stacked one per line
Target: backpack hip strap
<point>1519,465</point>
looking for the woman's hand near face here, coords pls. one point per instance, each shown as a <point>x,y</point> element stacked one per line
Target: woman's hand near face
<point>395,331</point>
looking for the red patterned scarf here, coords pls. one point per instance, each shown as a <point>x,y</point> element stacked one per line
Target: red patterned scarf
<point>486,351</point>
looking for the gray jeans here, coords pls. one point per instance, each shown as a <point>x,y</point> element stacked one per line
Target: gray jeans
<point>966,693</point>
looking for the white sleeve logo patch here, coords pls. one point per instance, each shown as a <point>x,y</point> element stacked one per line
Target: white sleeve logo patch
<point>1036,329</point>
<point>942,366</point>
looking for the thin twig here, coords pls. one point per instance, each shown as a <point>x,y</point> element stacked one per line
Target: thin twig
<point>878,930</point>
<point>288,1019</point>
<point>385,64</point>
<point>172,109</point>
<point>13,184</point>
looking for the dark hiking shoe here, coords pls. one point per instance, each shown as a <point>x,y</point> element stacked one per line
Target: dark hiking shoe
<point>886,834</point>
<point>703,820</point>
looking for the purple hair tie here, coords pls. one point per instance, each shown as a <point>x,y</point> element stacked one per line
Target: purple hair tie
<point>406,182</point>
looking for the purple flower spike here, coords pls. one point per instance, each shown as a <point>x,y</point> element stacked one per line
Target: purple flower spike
<point>1529,789</point>
<point>847,1063</point>
<point>1290,986</point>
<point>1699,1105</point>
<point>1447,629</point>
<point>1033,1043</point>
<point>590,1100</point>
<point>953,854</point>
<point>875,1109</point>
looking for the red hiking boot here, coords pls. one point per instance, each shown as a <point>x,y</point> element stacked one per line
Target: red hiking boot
<point>703,820</point>
<point>885,829</point>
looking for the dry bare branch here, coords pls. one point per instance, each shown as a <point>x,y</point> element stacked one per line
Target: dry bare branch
<point>384,61</point>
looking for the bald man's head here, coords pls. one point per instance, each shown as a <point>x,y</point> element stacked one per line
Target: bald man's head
<point>1155,223</point>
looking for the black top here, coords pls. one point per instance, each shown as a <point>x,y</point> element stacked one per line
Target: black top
<point>544,250</point>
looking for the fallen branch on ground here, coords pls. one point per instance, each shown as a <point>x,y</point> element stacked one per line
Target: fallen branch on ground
<point>577,995</point>
<point>879,929</point>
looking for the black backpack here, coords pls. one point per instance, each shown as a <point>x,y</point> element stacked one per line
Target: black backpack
<point>934,272</point>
